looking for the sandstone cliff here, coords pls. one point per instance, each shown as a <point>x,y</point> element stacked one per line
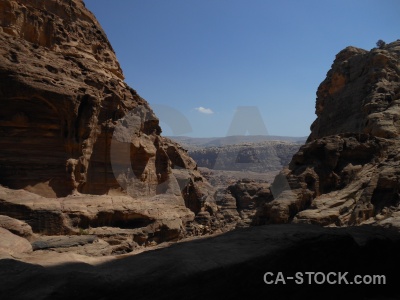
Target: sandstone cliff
<point>360,94</point>
<point>349,171</point>
<point>71,126</point>
<point>62,95</point>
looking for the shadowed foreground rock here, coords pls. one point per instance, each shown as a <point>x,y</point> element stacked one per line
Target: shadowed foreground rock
<point>230,266</point>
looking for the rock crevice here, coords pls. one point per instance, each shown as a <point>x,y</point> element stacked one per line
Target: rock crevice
<point>71,127</point>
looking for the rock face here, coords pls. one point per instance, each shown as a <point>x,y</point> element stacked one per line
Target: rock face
<point>71,215</point>
<point>62,97</point>
<point>16,227</point>
<point>70,125</point>
<point>249,196</point>
<point>360,94</point>
<point>61,89</point>
<point>11,244</point>
<point>349,171</point>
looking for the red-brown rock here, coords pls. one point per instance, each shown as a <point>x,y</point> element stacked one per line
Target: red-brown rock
<point>70,125</point>
<point>349,171</point>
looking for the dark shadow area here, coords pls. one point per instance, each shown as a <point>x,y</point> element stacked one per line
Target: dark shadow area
<point>32,151</point>
<point>42,221</point>
<point>121,219</point>
<point>230,266</point>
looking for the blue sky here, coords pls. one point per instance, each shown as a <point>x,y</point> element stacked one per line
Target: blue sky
<point>205,59</point>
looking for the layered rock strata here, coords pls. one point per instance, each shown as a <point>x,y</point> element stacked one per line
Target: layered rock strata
<point>70,126</point>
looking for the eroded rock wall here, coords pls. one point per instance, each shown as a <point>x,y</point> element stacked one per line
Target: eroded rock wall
<point>70,128</point>
<point>62,95</point>
<point>349,171</point>
<point>360,94</point>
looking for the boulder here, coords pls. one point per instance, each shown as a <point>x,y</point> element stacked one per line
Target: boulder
<point>13,245</point>
<point>15,226</point>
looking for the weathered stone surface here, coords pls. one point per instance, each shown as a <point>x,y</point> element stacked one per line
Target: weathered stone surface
<point>393,221</point>
<point>48,242</point>
<point>228,207</point>
<point>230,266</point>
<point>96,249</point>
<point>249,196</point>
<point>361,94</point>
<point>70,125</point>
<point>16,226</point>
<point>11,244</point>
<point>349,171</point>
<point>54,60</point>
<point>161,217</point>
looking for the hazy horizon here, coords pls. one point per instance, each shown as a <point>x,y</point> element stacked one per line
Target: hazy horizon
<point>218,137</point>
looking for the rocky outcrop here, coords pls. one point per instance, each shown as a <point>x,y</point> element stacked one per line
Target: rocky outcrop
<point>241,173</point>
<point>230,266</point>
<point>61,89</point>
<point>16,227</point>
<point>348,172</point>
<point>137,222</point>
<point>13,245</point>
<point>64,104</point>
<point>249,197</point>
<point>360,94</point>
<point>70,125</point>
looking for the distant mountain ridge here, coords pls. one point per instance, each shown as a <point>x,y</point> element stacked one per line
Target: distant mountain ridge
<point>255,153</point>
<point>256,157</point>
<point>233,140</point>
